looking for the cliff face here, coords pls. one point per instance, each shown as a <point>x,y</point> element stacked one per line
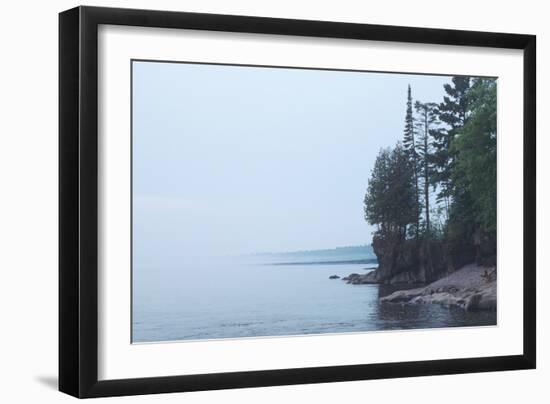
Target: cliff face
<point>413,261</point>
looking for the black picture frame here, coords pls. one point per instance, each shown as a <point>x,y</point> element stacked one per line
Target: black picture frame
<point>78,201</point>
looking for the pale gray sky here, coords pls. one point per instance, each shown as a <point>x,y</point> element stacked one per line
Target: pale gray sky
<point>235,160</point>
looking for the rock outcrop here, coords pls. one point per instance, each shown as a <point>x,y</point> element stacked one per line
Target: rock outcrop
<point>361,279</point>
<point>472,287</point>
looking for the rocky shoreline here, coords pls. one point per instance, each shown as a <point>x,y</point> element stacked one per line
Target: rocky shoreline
<point>472,287</point>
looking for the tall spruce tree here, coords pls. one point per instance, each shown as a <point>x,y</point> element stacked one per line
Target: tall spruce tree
<point>453,113</point>
<point>426,119</point>
<point>410,147</point>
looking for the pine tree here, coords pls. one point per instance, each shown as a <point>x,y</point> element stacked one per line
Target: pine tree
<point>453,113</point>
<point>390,197</point>
<point>427,118</point>
<point>411,149</point>
<point>476,147</point>
<point>376,197</point>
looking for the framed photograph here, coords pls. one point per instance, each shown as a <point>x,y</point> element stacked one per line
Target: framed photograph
<point>250,201</point>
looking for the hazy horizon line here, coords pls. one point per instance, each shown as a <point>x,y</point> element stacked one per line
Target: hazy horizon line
<point>367,245</point>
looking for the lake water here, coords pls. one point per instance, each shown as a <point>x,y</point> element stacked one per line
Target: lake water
<point>234,298</point>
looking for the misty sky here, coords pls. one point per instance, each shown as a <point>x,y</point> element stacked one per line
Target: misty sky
<point>233,160</point>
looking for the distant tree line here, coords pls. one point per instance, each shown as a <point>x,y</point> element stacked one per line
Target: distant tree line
<point>439,182</point>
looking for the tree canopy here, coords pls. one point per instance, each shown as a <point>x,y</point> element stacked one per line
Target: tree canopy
<point>390,199</point>
<point>444,170</point>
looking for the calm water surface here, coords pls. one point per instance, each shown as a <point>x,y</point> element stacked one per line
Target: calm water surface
<point>230,298</point>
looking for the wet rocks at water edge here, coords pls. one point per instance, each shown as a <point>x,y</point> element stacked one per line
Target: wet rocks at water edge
<point>334,277</point>
<point>360,279</point>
